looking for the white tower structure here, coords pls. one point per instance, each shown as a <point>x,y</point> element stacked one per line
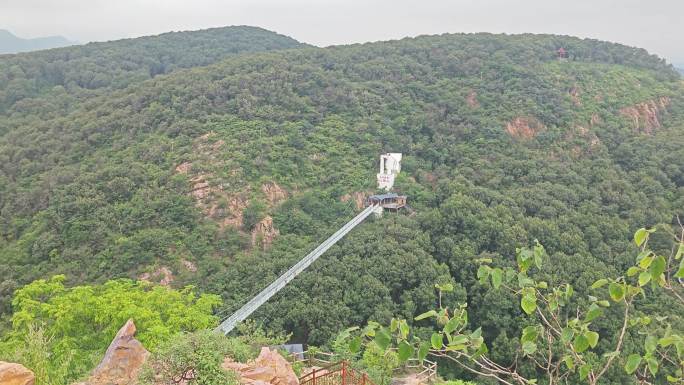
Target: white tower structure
<point>390,165</point>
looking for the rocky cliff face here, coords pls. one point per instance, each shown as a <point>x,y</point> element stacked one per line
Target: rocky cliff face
<point>524,127</point>
<point>264,232</point>
<point>15,374</point>
<point>645,116</point>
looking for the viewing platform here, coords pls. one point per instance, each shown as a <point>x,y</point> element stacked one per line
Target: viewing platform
<point>389,201</point>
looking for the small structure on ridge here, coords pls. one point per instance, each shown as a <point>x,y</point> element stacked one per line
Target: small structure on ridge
<point>562,54</point>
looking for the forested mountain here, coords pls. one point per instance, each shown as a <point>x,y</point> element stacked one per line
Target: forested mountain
<point>118,161</point>
<point>60,76</point>
<point>13,44</point>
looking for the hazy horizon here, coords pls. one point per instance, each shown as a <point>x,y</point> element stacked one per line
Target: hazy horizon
<point>653,27</point>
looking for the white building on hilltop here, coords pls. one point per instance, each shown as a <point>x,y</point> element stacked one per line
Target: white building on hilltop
<point>390,165</point>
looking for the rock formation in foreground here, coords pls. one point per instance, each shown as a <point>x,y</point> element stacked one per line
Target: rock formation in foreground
<point>122,361</point>
<point>15,374</point>
<point>269,368</point>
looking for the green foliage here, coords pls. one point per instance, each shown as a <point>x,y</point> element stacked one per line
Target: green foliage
<point>557,342</point>
<point>77,324</point>
<point>379,364</point>
<point>195,357</point>
<point>36,355</point>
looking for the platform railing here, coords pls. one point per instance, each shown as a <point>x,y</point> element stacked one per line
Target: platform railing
<point>337,373</point>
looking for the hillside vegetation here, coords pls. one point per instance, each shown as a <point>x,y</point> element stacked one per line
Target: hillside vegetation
<point>125,163</point>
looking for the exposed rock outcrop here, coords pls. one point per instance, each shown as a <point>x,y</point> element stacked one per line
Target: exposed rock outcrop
<point>183,168</point>
<point>574,93</point>
<point>269,368</point>
<point>163,276</point>
<point>471,99</point>
<point>122,360</point>
<point>265,232</point>
<point>524,127</point>
<point>274,193</point>
<point>645,116</point>
<point>358,197</point>
<point>15,374</point>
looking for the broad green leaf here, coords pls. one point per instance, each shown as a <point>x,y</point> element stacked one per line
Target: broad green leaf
<point>455,347</point>
<point>459,340</point>
<point>403,329</point>
<point>640,236</point>
<point>528,304</point>
<point>382,338</point>
<point>436,341</point>
<point>529,347</point>
<point>529,334</point>
<point>652,365</point>
<point>600,283</point>
<point>650,344</point>
<point>452,325</point>
<point>568,291</point>
<point>593,312</point>
<point>524,280</point>
<point>480,351</point>
<point>483,273</point>
<point>603,303</point>
<point>405,351</point>
<point>592,337</point>
<point>427,314</point>
<point>667,341</point>
<point>584,371</point>
<point>632,271</point>
<point>355,344</point>
<point>645,262</point>
<point>497,277</point>
<point>567,334</point>
<point>423,350</point>
<point>581,343</point>
<point>569,362</point>
<point>657,267</point>
<point>477,333</point>
<point>680,272</point>
<point>476,342</point>
<point>394,324</point>
<point>617,291</point>
<point>644,278</point>
<point>632,364</point>
<point>680,251</point>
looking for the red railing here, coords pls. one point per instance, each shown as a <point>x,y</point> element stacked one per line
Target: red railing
<point>338,373</point>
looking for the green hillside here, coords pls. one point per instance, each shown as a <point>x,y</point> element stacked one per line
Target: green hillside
<point>51,82</point>
<point>224,175</point>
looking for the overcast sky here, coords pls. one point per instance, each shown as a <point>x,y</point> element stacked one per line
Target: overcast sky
<point>652,24</point>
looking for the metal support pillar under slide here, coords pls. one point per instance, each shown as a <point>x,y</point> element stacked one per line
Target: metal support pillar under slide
<point>245,311</point>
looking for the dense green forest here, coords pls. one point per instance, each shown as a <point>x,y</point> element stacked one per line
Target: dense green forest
<point>189,158</point>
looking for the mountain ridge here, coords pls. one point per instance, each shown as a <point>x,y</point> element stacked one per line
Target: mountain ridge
<point>11,44</point>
